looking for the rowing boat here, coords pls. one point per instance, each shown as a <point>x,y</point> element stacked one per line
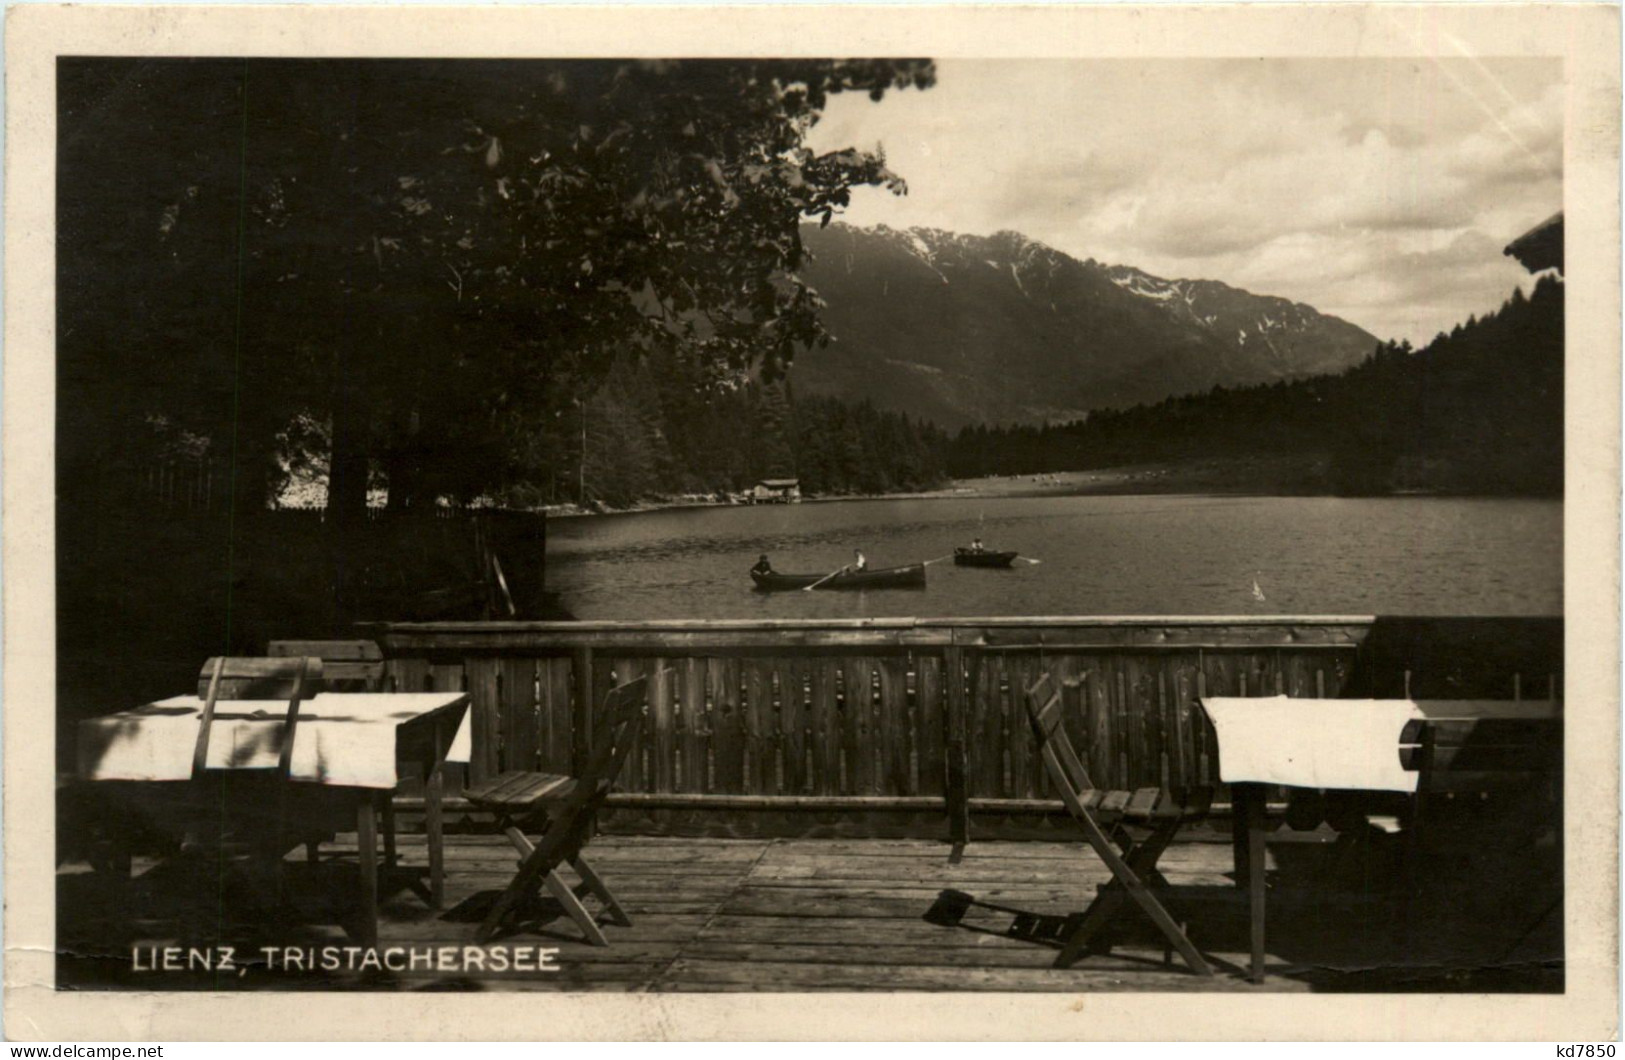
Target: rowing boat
<point>964,557</point>
<point>911,576</point>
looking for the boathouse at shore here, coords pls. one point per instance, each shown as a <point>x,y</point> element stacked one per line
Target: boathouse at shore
<point>776,491</point>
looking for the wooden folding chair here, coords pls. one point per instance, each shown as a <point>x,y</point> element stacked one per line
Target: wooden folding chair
<point>564,807</point>
<point>1103,816</point>
<point>225,677</point>
<point>256,804</point>
<point>347,666</point>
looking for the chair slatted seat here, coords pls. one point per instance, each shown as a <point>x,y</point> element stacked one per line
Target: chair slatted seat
<point>1102,814</point>
<point>1113,803</point>
<point>1142,803</point>
<point>563,809</point>
<point>516,790</point>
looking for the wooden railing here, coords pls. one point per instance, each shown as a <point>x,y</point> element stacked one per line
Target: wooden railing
<point>926,715</point>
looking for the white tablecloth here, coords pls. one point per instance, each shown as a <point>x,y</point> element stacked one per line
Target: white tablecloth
<point>343,739</point>
<point>1313,743</point>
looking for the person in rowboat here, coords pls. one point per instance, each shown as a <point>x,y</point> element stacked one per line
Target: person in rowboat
<point>762,565</point>
<point>858,562</point>
<point>976,545</point>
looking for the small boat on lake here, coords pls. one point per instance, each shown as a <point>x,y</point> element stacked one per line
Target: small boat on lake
<point>969,557</point>
<point>911,576</point>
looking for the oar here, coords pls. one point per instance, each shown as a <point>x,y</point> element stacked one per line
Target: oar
<point>821,581</point>
<point>939,559</point>
<point>1024,559</point>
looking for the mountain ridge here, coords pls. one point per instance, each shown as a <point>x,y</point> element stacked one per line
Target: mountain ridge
<point>961,329</point>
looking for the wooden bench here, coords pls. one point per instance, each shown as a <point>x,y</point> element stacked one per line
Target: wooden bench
<point>1465,751</point>
<point>1504,755</point>
<point>1489,788</point>
<point>1507,751</point>
<point>1483,746</point>
<point>1479,763</point>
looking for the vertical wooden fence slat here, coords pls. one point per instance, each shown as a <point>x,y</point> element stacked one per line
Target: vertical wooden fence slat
<point>1165,728</point>
<point>956,782</point>
<point>483,688</point>
<point>693,745</point>
<point>1121,728</point>
<point>758,680</point>
<point>1222,678</point>
<point>663,720</point>
<point>728,727</point>
<point>1062,672</point>
<point>857,725</point>
<point>449,677</point>
<point>1207,757</point>
<point>1023,671</point>
<point>584,670</point>
<point>1142,711</point>
<point>793,724</point>
<point>1176,676</point>
<point>1004,691</point>
<point>1098,708</point>
<point>519,713</point>
<point>986,736</point>
<point>406,675</point>
<point>1266,674</point>
<point>894,717</point>
<point>826,727</point>
<point>1296,674</point>
<point>1074,689</point>
<point>930,714</point>
<point>635,773</point>
<point>557,735</point>
<point>1217,678</point>
<point>873,752</point>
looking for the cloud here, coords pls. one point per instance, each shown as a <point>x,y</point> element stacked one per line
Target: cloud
<point>1381,190</point>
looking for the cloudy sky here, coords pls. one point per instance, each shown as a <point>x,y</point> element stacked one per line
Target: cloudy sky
<point>1381,191</point>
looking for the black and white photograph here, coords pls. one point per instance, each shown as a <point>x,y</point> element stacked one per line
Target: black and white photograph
<point>860,522</point>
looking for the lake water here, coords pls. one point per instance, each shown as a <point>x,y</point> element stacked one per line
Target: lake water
<point>1183,555</point>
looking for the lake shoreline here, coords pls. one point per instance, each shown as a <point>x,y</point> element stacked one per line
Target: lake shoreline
<point>1262,476</point>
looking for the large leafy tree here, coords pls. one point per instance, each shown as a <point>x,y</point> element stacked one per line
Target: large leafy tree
<point>426,262</point>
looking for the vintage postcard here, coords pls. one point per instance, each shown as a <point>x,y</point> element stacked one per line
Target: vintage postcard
<point>785,512</point>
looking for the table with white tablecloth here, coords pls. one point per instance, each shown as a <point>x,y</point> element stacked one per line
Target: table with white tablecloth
<point>1324,744</point>
<point>357,747</point>
<point>1344,744</point>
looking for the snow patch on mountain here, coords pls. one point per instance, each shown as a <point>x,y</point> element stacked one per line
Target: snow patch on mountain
<point>1146,286</point>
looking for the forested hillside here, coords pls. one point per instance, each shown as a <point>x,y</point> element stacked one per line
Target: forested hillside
<point>644,436</point>
<point>1478,410</point>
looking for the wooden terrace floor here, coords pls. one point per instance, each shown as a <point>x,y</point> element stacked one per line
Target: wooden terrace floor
<point>828,914</point>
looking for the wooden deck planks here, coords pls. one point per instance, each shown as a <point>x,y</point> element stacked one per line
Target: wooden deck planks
<point>692,973</point>
<point>764,915</point>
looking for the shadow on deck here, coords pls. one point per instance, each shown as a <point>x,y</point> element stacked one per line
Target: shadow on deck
<point>791,915</point>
